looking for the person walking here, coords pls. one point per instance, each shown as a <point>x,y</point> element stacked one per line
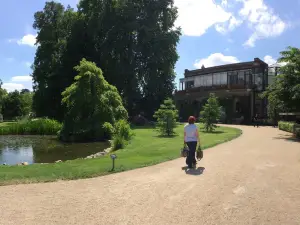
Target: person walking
<point>191,139</point>
<point>255,120</point>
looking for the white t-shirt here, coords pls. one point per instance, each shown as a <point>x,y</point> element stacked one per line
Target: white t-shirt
<point>190,132</point>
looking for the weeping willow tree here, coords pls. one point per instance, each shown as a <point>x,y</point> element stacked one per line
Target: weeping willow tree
<point>91,102</point>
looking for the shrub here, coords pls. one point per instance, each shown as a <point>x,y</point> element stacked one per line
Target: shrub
<point>118,143</point>
<point>211,113</point>
<point>166,116</point>
<point>121,135</point>
<point>108,130</point>
<point>286,126</point>
<point>122,128</point>
<point>32,127</point>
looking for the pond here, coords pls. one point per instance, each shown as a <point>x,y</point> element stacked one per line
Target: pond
<point>44,149</point>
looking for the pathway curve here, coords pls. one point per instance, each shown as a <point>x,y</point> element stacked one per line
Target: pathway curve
<point>254,179</point>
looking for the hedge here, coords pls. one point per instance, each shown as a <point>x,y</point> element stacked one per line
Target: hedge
<point>290,127</point>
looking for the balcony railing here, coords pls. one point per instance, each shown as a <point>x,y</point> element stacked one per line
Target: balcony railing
<point>218,87</point>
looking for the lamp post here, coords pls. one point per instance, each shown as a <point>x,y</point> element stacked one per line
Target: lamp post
<point>113,157</point>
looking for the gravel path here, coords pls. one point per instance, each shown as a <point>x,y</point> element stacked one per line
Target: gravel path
<point>254,179</point>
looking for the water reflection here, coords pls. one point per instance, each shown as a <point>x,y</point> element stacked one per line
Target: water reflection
<point>43,149</point>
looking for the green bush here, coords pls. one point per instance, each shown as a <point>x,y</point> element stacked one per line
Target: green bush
<point>108,130</point>
<point>90,102</point>
<point>121,135</point>
<point>286,126</point>
<point>211,113</point>
<point>32,127</point>
<point>122,128</point>
<point>118,142</point>
<point>166,116</point>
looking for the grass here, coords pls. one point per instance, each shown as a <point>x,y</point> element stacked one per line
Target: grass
<point>30,127</point>
<point>145,149</point>
<point>4,124</point>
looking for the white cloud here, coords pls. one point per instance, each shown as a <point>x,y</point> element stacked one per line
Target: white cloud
<point>18,83</point>
<point>228,26</point>
<point>28,39</point>
<point>21,79</point>
<point>196,16</point>
<point>262,20</point>
<point>269,60</point>
<point>215,59</point>
<point>12,86</point>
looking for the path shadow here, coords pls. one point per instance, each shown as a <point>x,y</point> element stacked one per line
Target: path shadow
<point>195,172</point>
<point>287,137</point>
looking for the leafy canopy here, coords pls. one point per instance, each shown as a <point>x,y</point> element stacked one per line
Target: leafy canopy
<point>90,102</point>
<point>284,93</point>
<point>211,113</point>
<point>166,117</point>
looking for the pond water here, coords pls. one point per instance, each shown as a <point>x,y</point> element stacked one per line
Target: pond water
<point>43,149</point>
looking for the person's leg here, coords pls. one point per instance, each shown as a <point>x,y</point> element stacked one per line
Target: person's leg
<point>194,153</point>
<point>191,156</point>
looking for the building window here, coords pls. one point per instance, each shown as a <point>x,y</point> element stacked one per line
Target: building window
<point>205,80</point>
<point>220,79</point>
<point>189,84</point>
<point>257,79</point>
<point>233,77</point>
<point>248,77</point>
<point>241,78</point>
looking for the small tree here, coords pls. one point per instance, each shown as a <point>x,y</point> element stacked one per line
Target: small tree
<point>211,113</point>
<point>91,104</point>
<point>166,117</point>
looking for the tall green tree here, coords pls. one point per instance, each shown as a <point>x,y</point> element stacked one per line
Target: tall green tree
<point>211,113</point>
<point>53,25</point>
<point>157,41</point>
<point>133,42</point>
<point>284,93</point>
<point>91,102</point>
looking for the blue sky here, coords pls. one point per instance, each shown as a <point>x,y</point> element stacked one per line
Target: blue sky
<point>215,32</point>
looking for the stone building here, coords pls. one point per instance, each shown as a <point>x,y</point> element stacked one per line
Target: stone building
<point>236,85</point>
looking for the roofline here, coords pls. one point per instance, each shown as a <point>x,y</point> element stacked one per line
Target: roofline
<point>250,63</point>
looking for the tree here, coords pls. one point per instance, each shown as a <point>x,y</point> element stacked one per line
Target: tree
<point>166,116</point>
<point>90,102</point>
<point>53,25</point>
<point>12,105</point>
<point>3,93</point>
<point>26,99</point>
<point>284,93</point>
<point>211,113</point>
<point>17,104</point>
<point>133,42</point>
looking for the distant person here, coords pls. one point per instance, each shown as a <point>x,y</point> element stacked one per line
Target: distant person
<point>255,120</point>
<point>191,139</point>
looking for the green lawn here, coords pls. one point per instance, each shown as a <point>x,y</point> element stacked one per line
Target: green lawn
<point>145,149</point>
<point>3,124</point>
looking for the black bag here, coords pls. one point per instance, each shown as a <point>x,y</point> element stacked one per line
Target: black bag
<point>199,153</point>
<point>184,151</point>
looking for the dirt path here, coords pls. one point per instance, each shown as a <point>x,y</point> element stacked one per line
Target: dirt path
<point>254,179</point>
